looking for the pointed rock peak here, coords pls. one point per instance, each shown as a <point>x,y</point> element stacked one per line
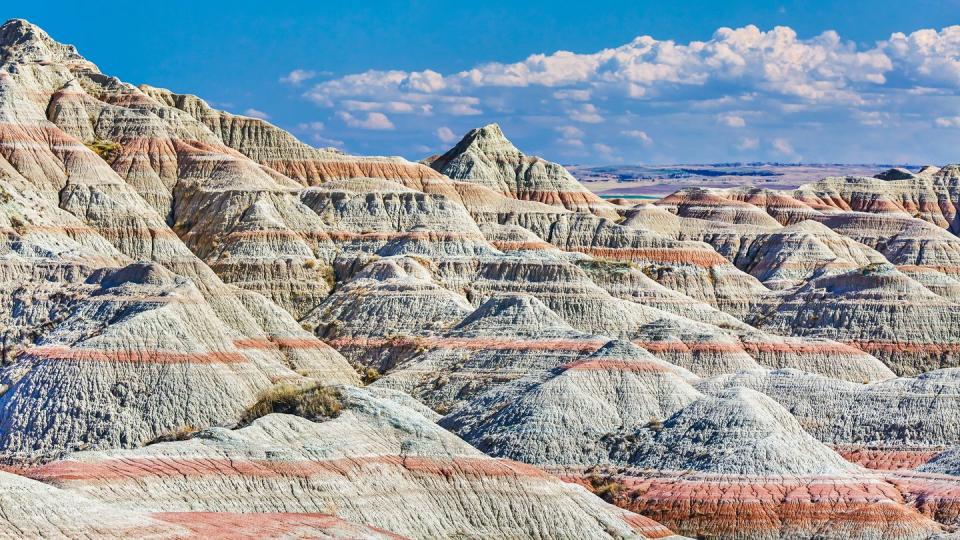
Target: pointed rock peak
<point>23,42</point>
<point>513,315</point>
<point>624,353</point>
<point>20,32</point>
<point>881,277</point>
<point>809,226</point>
<point>404,268</point>
<point>951,169</point>
<point>896,173</point>
<point>929,170</point>
<point>487,138</point>
<point>489,131</point>
<point>746,432</point>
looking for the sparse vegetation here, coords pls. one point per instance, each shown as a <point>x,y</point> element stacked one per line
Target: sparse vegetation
<point>651,271</point>
<point>329,276</point>
<point>311,402</point>
<point>655,423</point>
<point>610,266</point>
<point>106,149</point>
<point>872,268</point>
<point>18,224</point>
<point>310,263</point>
<point>605,488</point>
<point>370,375</point>
<point>180,434</point>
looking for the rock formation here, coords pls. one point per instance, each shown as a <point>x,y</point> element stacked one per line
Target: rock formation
<point>211,329</point>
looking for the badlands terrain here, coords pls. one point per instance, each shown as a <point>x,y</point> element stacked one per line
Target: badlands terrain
<point>657,181</point>
<point>212,330</point>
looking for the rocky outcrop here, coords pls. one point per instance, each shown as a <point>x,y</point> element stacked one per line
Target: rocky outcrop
<point>725,361</point>
<point>484,156</point>
<point>893,424</point>
<point>378,463</point>
<point>572,414</point>
<point>740,441</point>
<point>876,309</point>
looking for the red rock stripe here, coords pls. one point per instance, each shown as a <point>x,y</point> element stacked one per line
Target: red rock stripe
<point>611,364</point>
<point>229,526</point>
<point>929,268</point>
<point>412,235</point>
<point>801,348</point>
<point>321,170</point>
<point>646,526</point>
<point>516,246</point>
<point>171,299</point>
<point>923,348</point>
<point>887,459</point>
<point>50,229</point>
<point>101,231</point>
<point>681,347</point>
<point>120,469</point>
<point>474,343</point>
<point>934,495</point>
<point>765,505</point>
<point>659,255</point>
<point>130,356</point>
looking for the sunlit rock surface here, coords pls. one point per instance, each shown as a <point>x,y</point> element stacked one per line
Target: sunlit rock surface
<point>732,363</point>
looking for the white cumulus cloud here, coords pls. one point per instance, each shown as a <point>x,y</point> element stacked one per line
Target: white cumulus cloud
<point>948,121</point>
<point>298,76</point>
<point>639,135</point>
<point>689,93</point>
<point>373,120</point>
<point>586,113</point>
<point>446,135</point>
<point>748,143</point>
<point>784,147</point>
<point>254,113</point>
<point>732,120</point>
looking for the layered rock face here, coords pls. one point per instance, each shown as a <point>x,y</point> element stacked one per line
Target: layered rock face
<point>485,341</point>
<point>359,465</point>
<point>484,156</point>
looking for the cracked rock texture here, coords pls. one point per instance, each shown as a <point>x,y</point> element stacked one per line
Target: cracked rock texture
<point>479,345</point>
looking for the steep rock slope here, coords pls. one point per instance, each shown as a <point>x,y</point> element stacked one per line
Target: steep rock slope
<point>378,462</point>
<point>737,465</point>
<point>833,279</point>
<point>571,414</point>
<point>486,157</point>
<point>893,424</point>
<point>81,316</point>
<point>171,265</point>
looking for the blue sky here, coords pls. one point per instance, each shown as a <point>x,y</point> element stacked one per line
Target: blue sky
<point>634,82</point>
